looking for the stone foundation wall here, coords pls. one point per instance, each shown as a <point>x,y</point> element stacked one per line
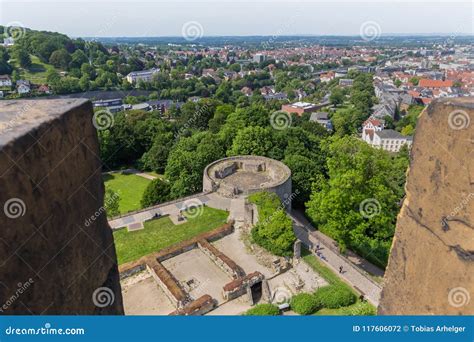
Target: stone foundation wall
<point>221,260</point>
<point>167,283</point>
<point>199,307</point>
<point>239,287</point>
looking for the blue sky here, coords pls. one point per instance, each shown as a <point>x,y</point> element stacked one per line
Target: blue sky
<point>238,17</point>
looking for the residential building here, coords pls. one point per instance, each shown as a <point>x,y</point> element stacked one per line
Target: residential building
<point>5,81</point>
<point>346,82</point>
<point>23,87</point>
<point>143,76</point>
<point>107,103</point>
<point>259,58</point>
<point>9,41</point>
<point>299,108</point>
<point>322,118</point>
<point>276,96</point>
<point>432,84</point>
<point>369,127</point>
<point>390,140</point>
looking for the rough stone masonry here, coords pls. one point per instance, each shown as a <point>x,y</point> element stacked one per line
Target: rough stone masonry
<point>431,266</point>
<point>54,259</point>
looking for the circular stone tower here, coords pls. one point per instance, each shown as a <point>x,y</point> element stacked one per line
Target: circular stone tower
<point>241,176</point>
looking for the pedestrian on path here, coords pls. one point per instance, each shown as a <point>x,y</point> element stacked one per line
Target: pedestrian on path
<point>340,269</point>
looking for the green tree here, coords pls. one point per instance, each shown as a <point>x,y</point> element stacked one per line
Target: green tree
<point>336,97</point>
<point>408,130</point>
<point>158,191</point>
<point>156,157</point>
<point>187,160</point>
<point>274,230</point>
<point>60,59</point>
<point>111,203</point>
<point>304,172</point>
<point>359,203</point>
<point>305,304</point>
<point>23,57</point>
<point>264,309</point>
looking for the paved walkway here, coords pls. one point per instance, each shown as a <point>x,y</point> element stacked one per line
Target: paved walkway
<point>173,208</point>
<point>328,255</point>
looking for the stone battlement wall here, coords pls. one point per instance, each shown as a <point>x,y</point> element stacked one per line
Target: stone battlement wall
<point>51,186</point>
<point>431,265</point>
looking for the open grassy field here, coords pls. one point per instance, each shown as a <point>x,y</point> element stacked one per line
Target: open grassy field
<point>162,233</point>
<point>37,72</point>
<point>129,187</point>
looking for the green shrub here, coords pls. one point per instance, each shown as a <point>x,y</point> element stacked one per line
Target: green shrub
<point>158,191</point>
<point>360,309</point>
<point>274,230</point>
<point>335,296</point>
<point>305,304</point>
<point>263,310</point>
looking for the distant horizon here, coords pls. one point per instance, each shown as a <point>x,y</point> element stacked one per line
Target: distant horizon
<point>434,34</point>
<point>239,18</point>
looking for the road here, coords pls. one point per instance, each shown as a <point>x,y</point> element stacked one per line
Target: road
<point>356,276</point>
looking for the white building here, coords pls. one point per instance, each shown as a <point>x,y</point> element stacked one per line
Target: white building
<point>144,75</point>
<point>390,140</point>
<point>23,87</point>
<point>9,41</point>
<point>369,127</point>
<point>5,81</point>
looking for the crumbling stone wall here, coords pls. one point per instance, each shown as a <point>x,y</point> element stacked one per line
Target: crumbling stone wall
<point>51,187</point>
<point>431,266</point>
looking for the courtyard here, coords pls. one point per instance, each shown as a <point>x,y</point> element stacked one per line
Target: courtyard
<point>162,232</point>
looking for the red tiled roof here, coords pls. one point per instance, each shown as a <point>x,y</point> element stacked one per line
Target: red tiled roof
<point>427,83</point>
<point>373,121</point>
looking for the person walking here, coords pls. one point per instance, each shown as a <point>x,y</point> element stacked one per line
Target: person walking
<point>340,269</point>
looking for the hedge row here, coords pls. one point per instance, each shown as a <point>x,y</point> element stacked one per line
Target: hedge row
<point>263,310</point>
<point>330,297</point>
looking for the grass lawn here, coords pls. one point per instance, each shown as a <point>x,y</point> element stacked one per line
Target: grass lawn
<point>129,187</point>
<point>37,72</point>
<point>162,233</point>
<point>332,279</point>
